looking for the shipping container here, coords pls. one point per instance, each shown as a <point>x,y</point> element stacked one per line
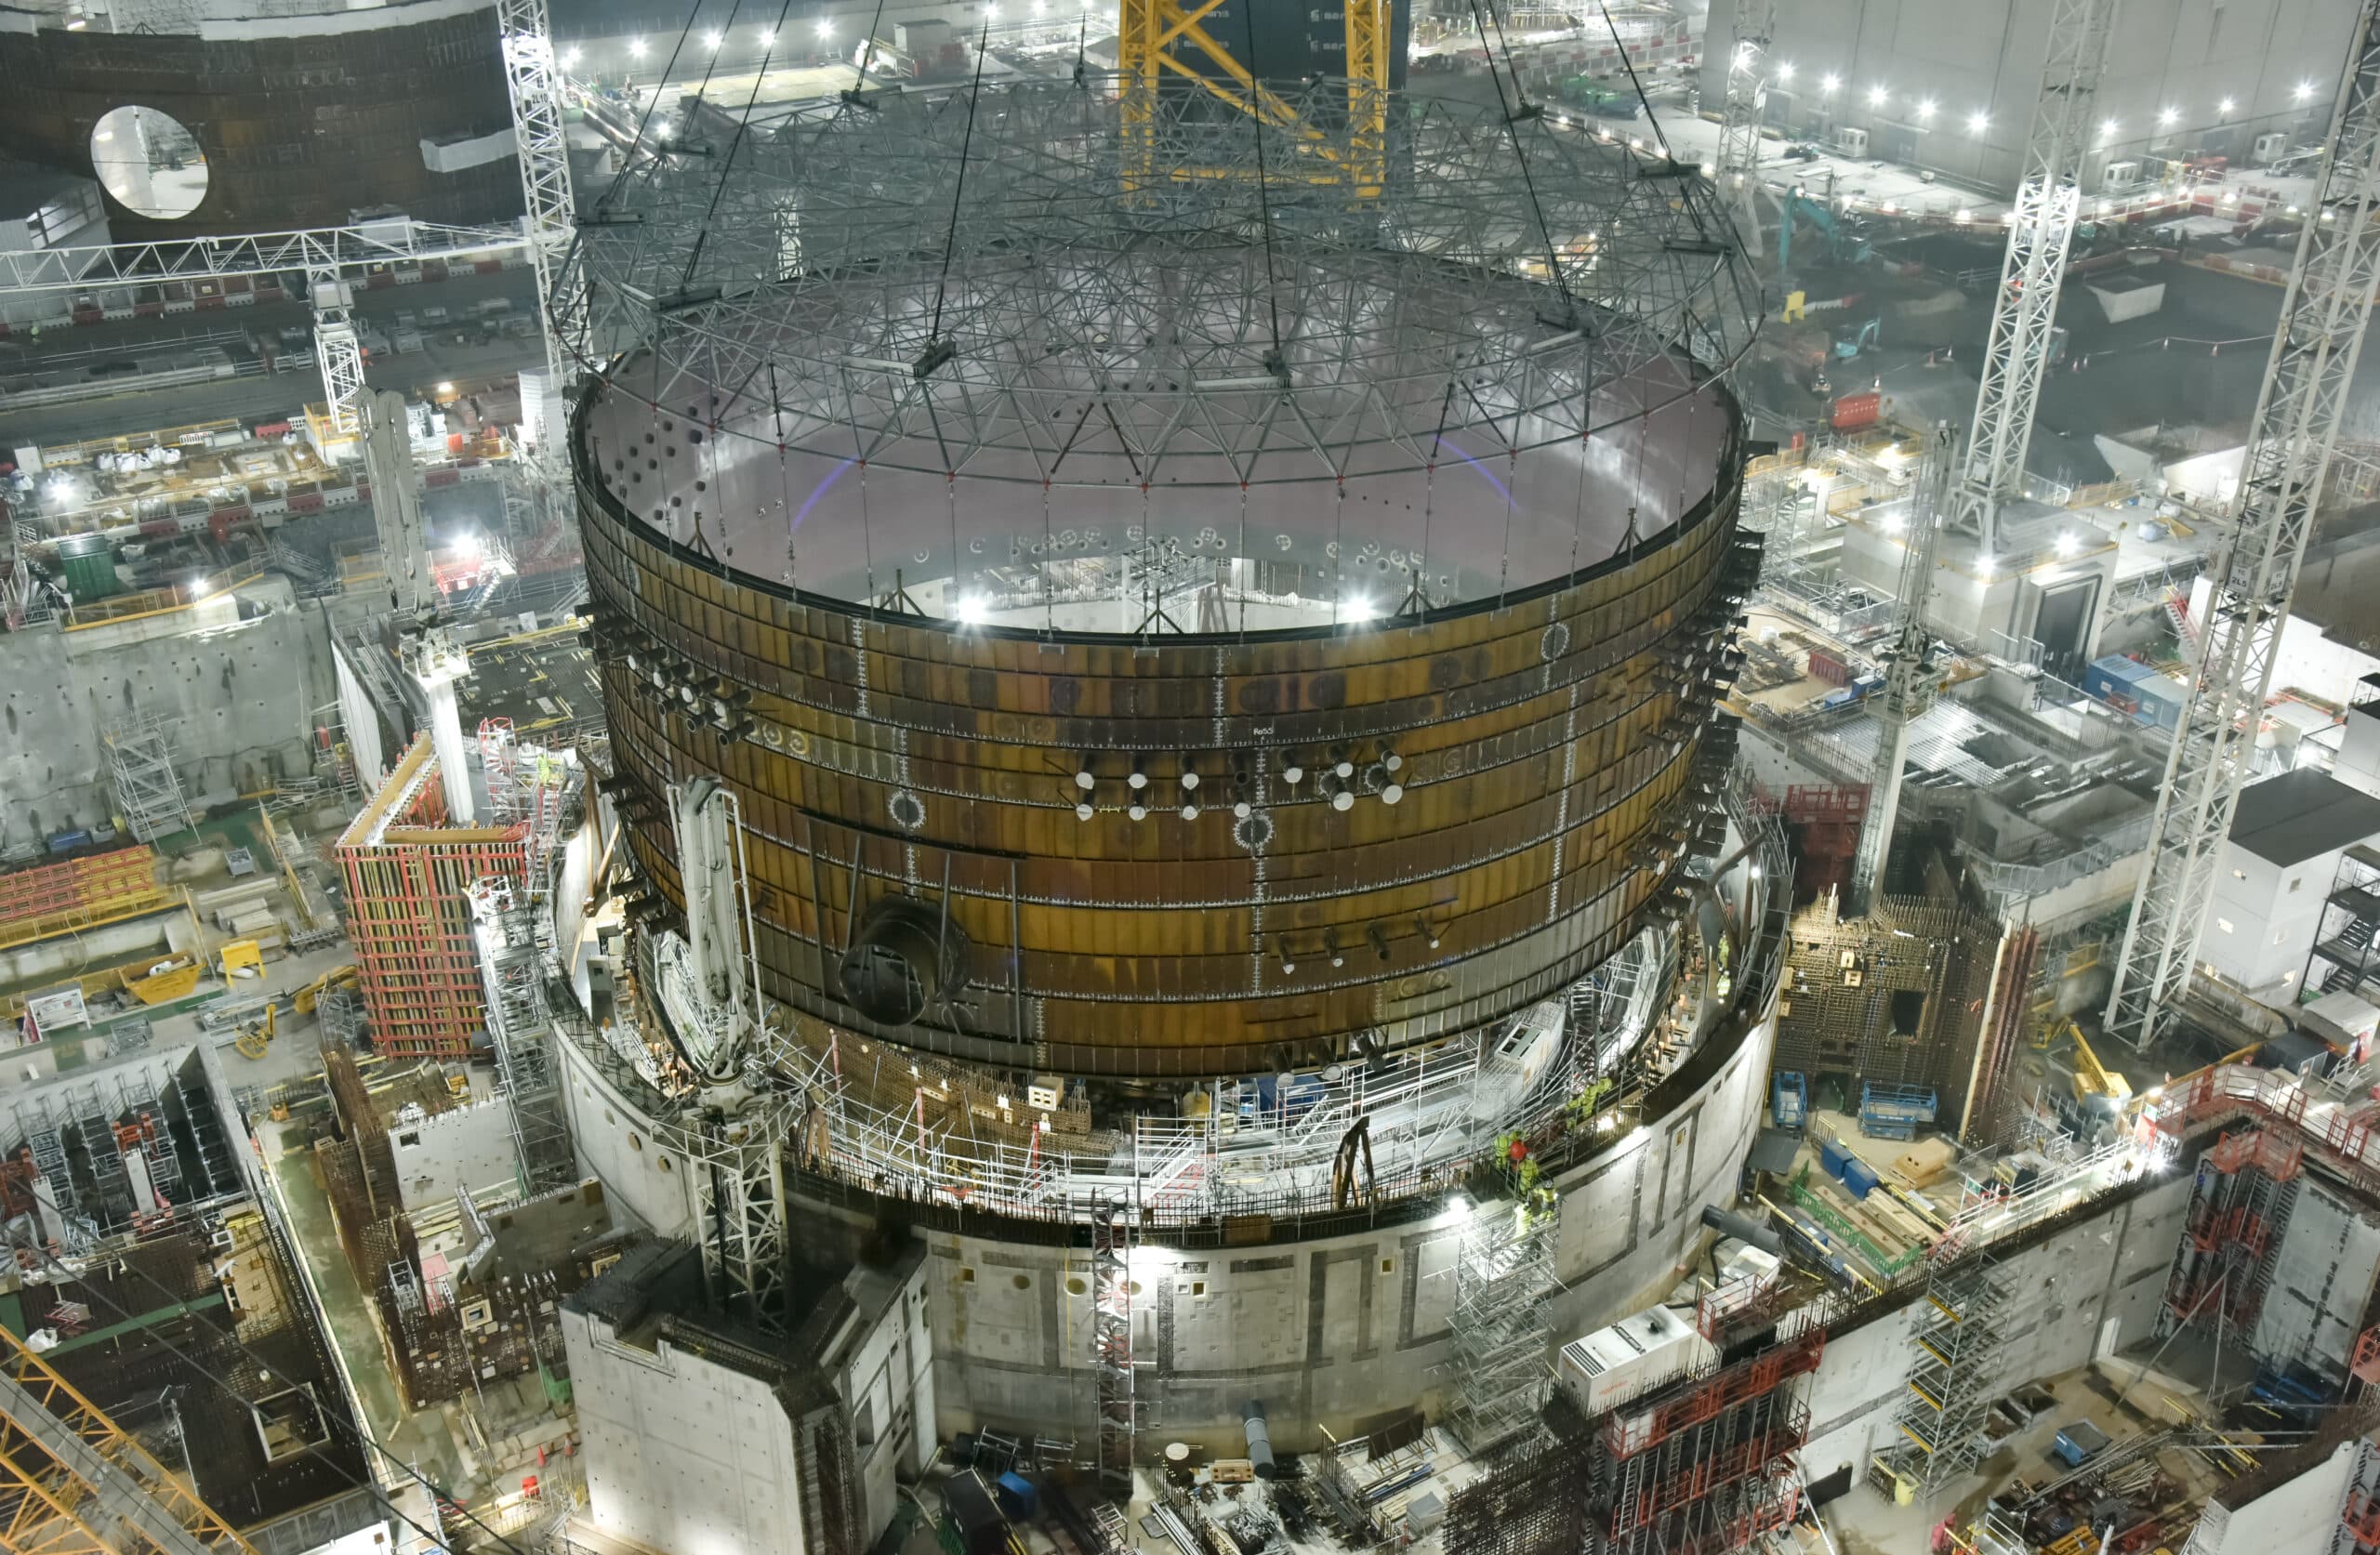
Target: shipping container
<point>2114,676</point>
<point>1855,411</point>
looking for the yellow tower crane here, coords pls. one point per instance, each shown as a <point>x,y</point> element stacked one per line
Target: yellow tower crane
<point>1157,38</point>
<point>72,1482</point>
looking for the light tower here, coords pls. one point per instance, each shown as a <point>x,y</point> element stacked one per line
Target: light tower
<point>2049,199</point>
<point>1909,679</point>
<point>1747,98</point>
<point>2324,314</point>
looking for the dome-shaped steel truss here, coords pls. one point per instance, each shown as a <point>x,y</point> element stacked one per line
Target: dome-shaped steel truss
<point>1034,285</point>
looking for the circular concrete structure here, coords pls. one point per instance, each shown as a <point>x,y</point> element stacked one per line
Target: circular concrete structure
<point>1214,648</point>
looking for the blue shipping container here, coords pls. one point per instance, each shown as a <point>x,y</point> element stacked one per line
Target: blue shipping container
<point>2112,674</point>
<point>2161,698</point>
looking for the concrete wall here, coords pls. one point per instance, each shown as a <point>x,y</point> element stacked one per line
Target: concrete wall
<point>2322,1280</point>
<point>2088,1291</point>
<point>883,1371</point>
<point>1327,1331</point>
<point>681,1455</point>
<point>464,1150</point>
<point>2300,1513</point>
<point>693,1458</point>
<point>241,695</point>
<point>650,1185</point>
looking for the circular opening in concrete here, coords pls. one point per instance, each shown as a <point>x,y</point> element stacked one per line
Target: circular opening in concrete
<point>149,161</point>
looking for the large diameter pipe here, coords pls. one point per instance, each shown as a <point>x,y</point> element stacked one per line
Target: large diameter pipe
<point>1260,1440</point>
<point>1747,1230</point>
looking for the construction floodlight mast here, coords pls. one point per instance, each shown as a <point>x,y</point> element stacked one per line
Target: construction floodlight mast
<point>2323,316</point>
<point>1911,680</point>
<point>1740,128</point>
<point>532,76</point>
<point>2024,312</point>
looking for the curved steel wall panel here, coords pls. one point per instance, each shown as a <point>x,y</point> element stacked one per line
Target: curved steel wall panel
<point>1543,744</point>
<point>298,130</point>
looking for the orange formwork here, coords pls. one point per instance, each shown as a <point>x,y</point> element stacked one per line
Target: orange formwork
<point>409,914</point>
<point>79,894</point>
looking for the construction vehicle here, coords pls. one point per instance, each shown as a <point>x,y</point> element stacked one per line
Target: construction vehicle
<point>253,1037</point>
<point>1847,347</point>
<point>1844,247</point>
<point>306,999</point>
<point>1604,99</point>
<point>2098,1088</point>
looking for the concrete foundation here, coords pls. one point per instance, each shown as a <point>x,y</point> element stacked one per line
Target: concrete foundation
<point>1325,1330</point>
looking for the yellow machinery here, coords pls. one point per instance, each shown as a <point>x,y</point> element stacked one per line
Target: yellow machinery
<point>252,1040</point>
<point>311,994</point>
<point>254,1037</point>
<point>2097,1086</point>
<point>72,1483</point>
<point>1152,36</point>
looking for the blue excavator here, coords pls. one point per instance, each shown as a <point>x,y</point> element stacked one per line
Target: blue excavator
<point>1844,248</point>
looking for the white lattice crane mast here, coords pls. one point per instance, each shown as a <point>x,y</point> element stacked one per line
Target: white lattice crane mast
<point>2323,315</point>
<point>550,213</point>
<point>1739,125</point>
<point>1911,680</point>
<point>2049,201</point>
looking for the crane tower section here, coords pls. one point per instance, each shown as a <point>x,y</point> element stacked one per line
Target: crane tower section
<point>2323,316</point>
<point>1740,128</point>
<point>2049,199</point>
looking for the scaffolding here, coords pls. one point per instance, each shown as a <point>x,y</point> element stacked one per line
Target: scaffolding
<point>512,957</point>
<point>409,912</point>
<point>148,794</point>
<point>1111,1338</point>
<point>1952,1368</point>
<point>2240,1208</point>
<point>498,750</point>
<point>739,1160</point>
<point>1499,1332</point>
<point>1705,1465</point>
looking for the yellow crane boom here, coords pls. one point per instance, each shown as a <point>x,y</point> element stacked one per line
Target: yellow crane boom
<point>72,1482</point>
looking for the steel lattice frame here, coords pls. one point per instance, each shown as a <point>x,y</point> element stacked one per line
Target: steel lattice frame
<point>872,284</point>
<point>72,1482</point>
<point>2049,200</point>
<point>550,207</point>
<point>2324,313</point>
<point>148,794</point>
<point>1747,97</point>
<point>1111,1336</point>
<point>513,979</point>
<point>1909,679</point>
<point>739,1171</point>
